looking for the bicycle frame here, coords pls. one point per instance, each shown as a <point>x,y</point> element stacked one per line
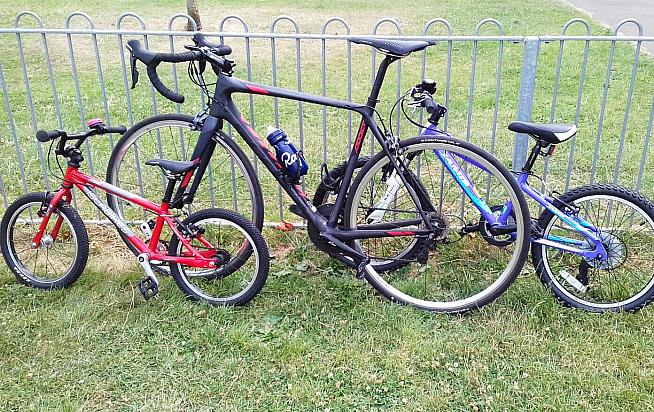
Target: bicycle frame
<point>223,109</point>
<point>575,222</point>
<point>563,243</point>
<point>85,183</point>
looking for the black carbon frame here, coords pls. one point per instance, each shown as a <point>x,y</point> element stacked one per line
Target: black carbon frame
<point>222,109</point>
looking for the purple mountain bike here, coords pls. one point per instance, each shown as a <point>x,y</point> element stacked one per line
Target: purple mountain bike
<point>592,246</point>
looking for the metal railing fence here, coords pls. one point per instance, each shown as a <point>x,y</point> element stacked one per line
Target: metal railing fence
<point>59,78</point>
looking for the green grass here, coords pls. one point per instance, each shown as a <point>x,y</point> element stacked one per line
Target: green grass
<point>316,338</point>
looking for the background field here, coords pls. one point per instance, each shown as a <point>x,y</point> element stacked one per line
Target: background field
<point>316,338</point>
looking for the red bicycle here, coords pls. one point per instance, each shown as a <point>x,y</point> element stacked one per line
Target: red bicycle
<point>214,255</point>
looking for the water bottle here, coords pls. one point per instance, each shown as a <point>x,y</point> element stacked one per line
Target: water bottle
<point>287,155</point>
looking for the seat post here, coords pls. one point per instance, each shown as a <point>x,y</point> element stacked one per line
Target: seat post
<point>379,80</point>
<point>170,187</point>
<point>535,151</point>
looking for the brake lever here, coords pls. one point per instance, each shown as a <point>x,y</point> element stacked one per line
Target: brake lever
<point>135,72</point>
<point>414,105</point>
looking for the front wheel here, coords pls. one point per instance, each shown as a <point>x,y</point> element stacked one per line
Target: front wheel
<point>60,257</point>
<point>235,243</point>
<point>624,222</point>
<point>463,271</point>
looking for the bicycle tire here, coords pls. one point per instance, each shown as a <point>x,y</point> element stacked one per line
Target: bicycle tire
<point>77,231</point>
<point>521,244</point>
<point>256,243</point>
<point>544,269</point>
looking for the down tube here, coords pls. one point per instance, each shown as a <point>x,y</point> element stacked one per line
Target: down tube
<point>262,150</point>
<point>462,179</point>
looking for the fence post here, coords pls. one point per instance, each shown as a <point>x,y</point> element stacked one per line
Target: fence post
<point>526,98</point>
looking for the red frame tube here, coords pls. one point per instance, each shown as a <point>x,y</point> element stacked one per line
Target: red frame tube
<point>74,178</point>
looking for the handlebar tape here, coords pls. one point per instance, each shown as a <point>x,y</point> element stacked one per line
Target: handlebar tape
<point>152,60</point>
<point>217,49</point>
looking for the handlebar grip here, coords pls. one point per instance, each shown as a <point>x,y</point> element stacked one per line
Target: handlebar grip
<point>429,105</point>
<point>116,129</point>
<point>178,57</point>
<point>43,136</point>
<point>165,92</point>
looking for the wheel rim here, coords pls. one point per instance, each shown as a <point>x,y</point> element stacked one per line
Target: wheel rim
<point>230,237</point>
<point>620,271</point>
<point>226,182</point>
<point>460,296</point>
<point>48,259</point>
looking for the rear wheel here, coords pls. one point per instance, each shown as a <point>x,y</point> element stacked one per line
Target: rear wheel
<point>229,182</point>
<point>463,272</point>
<point>61,256</point>
<point>232,237</point>
<point>623,282</point>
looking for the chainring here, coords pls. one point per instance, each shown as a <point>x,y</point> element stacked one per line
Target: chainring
<point>314,234</point>
<point>496,240</point>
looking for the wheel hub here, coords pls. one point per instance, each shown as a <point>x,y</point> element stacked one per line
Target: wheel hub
<point>46,242</point>
<point>615,250</point>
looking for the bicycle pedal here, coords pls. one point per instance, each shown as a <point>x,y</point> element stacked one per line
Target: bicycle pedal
<point>149,287</point>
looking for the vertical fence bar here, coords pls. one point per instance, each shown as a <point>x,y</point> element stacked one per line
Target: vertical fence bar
<point>171,44</point>
<point>398,90</point>
<point>396,24</point>
<point>248,62</point>
<point>12,127</point>
<point>78,93</point>
<point>299,87</point>
<point>526,98</point>
<point>128,96</point>
<point>582,80</point>
<point>425,32</point>
<point>221,28</point>
<point>607,80</point>
<point>324,84</point>
<point>498,79</point>
<point>448,74</point>
<point>28,91</point>
<point>630,94</point>
<point>643,158</point>
<point>473,66</point>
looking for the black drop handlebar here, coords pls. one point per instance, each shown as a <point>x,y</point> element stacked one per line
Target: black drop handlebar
<point>203,50</point>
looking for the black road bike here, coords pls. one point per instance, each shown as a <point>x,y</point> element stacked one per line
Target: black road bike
<point>409,203</point>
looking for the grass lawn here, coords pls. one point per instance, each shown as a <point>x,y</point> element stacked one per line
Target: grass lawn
<point>316,338</point>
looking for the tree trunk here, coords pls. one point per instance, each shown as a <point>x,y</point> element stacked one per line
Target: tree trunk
<point>194,12</point>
